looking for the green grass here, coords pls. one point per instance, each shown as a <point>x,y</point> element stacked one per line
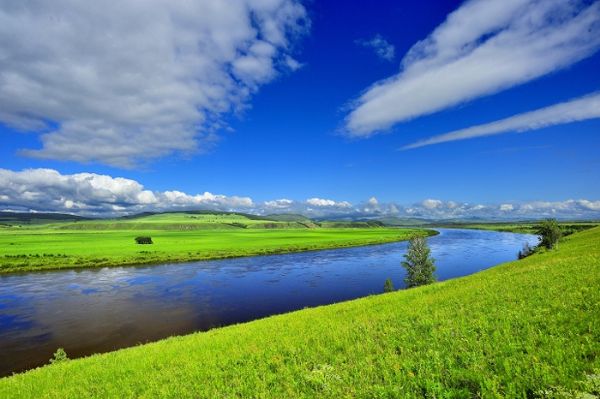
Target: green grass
<point>528,328</point>
<point>176,237</point>
<point>521,227</point>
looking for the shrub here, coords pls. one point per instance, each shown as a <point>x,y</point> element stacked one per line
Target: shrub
<point>388,286</point>
<point>59,356</point>
<point>419,265</point>
<point>549,232</point>
<point>526,251</point>
<point>143,240</point>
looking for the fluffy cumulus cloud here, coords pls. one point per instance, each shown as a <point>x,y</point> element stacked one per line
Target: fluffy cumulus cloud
<point>93,194</point>
<point>283,203</point>
<point>47,190</point>
<point>483,47</point>
<point>587,107</point>
<point>431,203</point>
<point>382,48</point>
<point>320,202</point>
<point>128,82</point>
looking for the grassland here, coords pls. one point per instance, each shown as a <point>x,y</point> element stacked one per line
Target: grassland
<point>568,227</point>
<point>525,329</point>
<point>177,237</point>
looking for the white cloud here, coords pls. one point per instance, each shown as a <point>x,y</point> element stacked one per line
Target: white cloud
<point>373,201</point>
<point>583,108</point>
<point>327,203</point>
<point>292,63</point>
<point>119,85</point>
<point>591,205</point>
<point>47,190</point>
<point>431,203</point>
<point>279,203</point>
<point>483,47</point>
<point>90,193</point>
<point>383,49</point>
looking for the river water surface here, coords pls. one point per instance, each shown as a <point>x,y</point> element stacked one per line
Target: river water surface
<point>97,310</point>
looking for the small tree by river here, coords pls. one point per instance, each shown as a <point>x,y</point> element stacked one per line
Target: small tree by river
<point>388,286</point>
<point>549,232</point>
<point>419,265</point>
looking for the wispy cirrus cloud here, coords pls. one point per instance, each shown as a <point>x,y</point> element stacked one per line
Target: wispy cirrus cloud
<point>120,85</point>
<point>580,109</point>
<point>382,48</point>
<point>91,194</point>
<point>483,47</point>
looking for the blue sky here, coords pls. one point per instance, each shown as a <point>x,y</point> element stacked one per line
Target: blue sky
<point>299,120</point>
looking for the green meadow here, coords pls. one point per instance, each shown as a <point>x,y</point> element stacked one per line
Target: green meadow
<point>568,227</point>
<point>177,237</point>
<point>524,329</point>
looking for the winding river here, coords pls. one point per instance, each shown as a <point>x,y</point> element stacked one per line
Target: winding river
<point>98,310</point>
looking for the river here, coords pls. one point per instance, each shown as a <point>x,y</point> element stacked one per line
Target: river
<point>98,310</point>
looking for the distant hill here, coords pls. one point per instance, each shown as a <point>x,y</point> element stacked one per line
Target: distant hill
<point>27,218</point>
<point>184,220</point>
<point>293,217</point>
<point>192,220</point>
<point>396,221</point>
<point>288,217</point>
<point>351,223</point>
<point>195,212</point>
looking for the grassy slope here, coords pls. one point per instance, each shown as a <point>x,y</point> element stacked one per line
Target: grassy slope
<point>520,227</point>
<point>509,331</point>
<point>21,218</point>
<point>102,243</point>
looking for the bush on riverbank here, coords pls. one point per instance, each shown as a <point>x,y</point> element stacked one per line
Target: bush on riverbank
<point>527,250</point>
<point>549,232</point>
<point>388,286</point>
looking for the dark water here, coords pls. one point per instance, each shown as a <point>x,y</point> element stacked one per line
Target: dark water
<point>98,310</point>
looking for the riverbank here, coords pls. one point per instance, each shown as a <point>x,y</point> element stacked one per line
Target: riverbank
<point>472,336</point>
<point>42,248</point>
<point>520,227</point>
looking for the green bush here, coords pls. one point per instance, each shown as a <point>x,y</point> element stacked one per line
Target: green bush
<point>526,251</point>
<point>388,286</point>
<point>59,356</point>
<point>143,240</point>
<point>549,232</point>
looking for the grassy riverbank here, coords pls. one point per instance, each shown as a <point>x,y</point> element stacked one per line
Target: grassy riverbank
<point>520,227</point>
<point>176,237</point>
<point>523,329</point>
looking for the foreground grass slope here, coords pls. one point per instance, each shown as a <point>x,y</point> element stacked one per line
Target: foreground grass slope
<point>176,237</point>
<point>520,330</point>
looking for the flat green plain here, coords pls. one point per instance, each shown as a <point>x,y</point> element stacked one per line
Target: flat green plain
<point>176,238</point>
<point>524,329</point>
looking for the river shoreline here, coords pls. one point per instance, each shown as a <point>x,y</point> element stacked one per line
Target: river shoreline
<point>11,270</point>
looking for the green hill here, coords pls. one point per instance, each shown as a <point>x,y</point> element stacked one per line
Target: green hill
<point>189,220</point>
<point>525,329</point>
<point>34,218</point>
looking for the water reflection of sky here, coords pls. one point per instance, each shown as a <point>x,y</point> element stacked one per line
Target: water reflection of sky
<point>95,310</point>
